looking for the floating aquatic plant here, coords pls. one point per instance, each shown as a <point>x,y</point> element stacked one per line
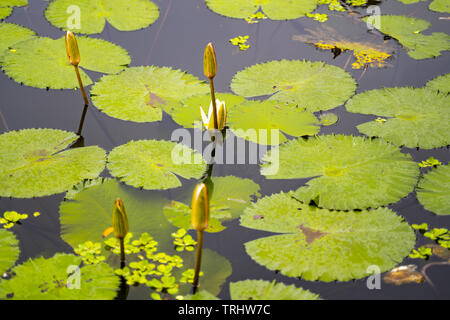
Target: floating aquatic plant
<point>11,34</point>
<point>154,164</point>
<point>407,30</point>
<point>311,85</point>
<point>241,42</point>
<point>421,252</point>
<point>435,5</point>
<point>141,93</point>
<point>440,84</point>
<point>433,191</point>
<point>318,244</point>
<point>35,162</point>
<point>266,290</point>
<point>124,15</point>
<point>415,117</point>
<point>7,6</point>
<point>255,17</point>
<point>10,218</point>
<point>273,9</point>
<point>347,172</point>
<point>328,119</point>
<point>9,250</point>
<point>60,278</point>
<point>42,62</point>
<point>430,162</point>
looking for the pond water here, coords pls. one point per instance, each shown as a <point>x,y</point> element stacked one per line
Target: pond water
<point>177,39</point>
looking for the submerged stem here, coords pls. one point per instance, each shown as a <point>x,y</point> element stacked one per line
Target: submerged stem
<point>198,261</point>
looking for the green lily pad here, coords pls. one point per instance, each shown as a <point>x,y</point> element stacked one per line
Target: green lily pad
<point>273,9</point>
<point>347,172</point>
<point>6,7</point>
<point>230,196</point>
<point>124,15</point>
<point>49,279</point>
<point>433,191</point>
<point>42,62</point>
<point>34,162</point>
<point>140,93</point>
<point>9,250</point>
<point>88,213</point>
<point>407,30</point>
<point>440,6</point>
<point>261,117</point>
<point>318,244</point>
<point>155,164</point>
<point>328,119</point>
<point>266,290</point>
<point>187,113</point>
<point>11,33</point>
<point>311,85</point>
<point>441,83</point>
<point>415,117</point>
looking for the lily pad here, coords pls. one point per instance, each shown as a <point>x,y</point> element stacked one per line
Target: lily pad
<point>35,162</point>
<point>42,62</point>
<point>311,85</point>
<point>9,250</point>
<point>433,190</point>
<point>414,117</point>
<point>124,15</point>
<point>257,117</point>
<point>328,119</point>
<point>266,290</point>
<point>318,244</point>
<point>407,30</point>
<point>88,213</point>
<point>440,6</point>
<point>441,83</point>
<point>50,279</point>
<point>140,93</point>
<point>273,9</point>
<point>230,196</point>
<point>155,164</point>
<point>6,7</point>
<point>11,34</point>
<point>347,172</point>
<point>187,113</point>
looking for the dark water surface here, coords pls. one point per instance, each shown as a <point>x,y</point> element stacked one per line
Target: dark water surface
<point>177,39</point>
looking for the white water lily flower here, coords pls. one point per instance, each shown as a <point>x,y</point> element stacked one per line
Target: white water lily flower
<point>208,121</point>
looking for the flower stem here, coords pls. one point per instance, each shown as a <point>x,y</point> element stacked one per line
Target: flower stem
<point>213,98</point>
<point>198,260</point>
<point>122,250</point>
<point>80,83</point>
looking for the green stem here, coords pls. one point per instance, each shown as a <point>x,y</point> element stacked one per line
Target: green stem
<point>198,260</point>
<point>122,250</point>
<point>80,83</point>
<point>213,98</point>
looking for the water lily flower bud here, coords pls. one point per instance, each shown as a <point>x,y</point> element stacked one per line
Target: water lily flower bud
<point>119,220</point>
<point>209,62</point>
<point>72,49</point>
<point>208,121</point>
<point>200,207</point>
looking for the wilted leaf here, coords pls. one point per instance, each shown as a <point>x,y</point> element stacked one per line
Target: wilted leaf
<point>416,117</point>
<point>403,274</point>
<point>311,85</point>
<point>34,162</point>
<point>347,172</point>
<point>318,244</point>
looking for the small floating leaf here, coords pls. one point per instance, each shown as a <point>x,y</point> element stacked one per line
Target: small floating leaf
<point>266,290</point>
<point>311,85</point>
<point>347,172</point>
<point>9,250</point>
<point>416,117</point>
<point>50,279</point>
<point>433,191</point>
<point>328,119</point>
<point>140,93</point>
<point>273,9</point>
<point>34,162</point>
<point>124,15</point>
<point>155,164</point>
<point>430,162</point>
<point>42,62</point>
<point>407,30</point>
<point>318,244</point>
<point>11,34</point>
<point>257,116</point>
